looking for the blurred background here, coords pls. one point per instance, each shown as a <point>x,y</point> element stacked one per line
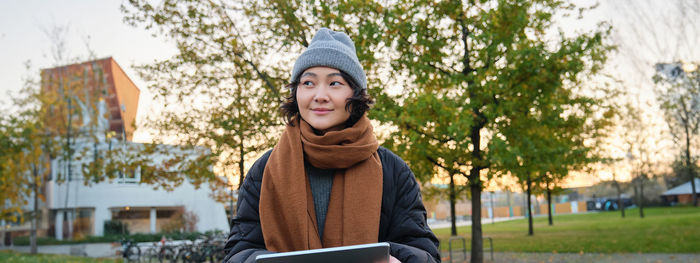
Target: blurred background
<point>139,119</point>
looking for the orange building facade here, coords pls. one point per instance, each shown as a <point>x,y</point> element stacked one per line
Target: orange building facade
<point>80,87</point>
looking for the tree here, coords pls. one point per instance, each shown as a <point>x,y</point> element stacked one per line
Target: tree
<point>470,65</point>
<point>651,32</point>
<point>40,118</point>
<point>455,65</point>
<point>543,142</point>
<point>611,164</point>
<point>67,99</point>
<point>620,204</point>
<point>642,147</point>
<point>679,172</point>
<point>13,170</point>
<point>221,90</point>
<point>679,96</point>
<point>25,157</point>
<point>551,187</point>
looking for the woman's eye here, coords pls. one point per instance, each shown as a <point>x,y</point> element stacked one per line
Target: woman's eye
<point>336,83</point>
<point>307,83</point>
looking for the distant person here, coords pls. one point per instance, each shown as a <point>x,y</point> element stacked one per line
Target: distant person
<point>327,182</point>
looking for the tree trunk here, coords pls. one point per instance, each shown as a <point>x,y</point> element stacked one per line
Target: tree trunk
<point>549,205</point>
<point>530,231</point>
<point>452,205</point>
<point>688,165</point>
<point>32,238</point>
<point>636,191</point>
<point>241,152</point>
<point>619,196</point>
<point>477,254</point>
<point>641,197</point>
<point>241,174</point>
<point>70,171</point>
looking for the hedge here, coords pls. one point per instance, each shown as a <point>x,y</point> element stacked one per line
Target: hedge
<point>137,237</point>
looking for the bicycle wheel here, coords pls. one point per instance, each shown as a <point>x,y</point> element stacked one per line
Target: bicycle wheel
<point>185,255</point>
<point>133,253</point>
<point>167,255</point>
<point>150,255</point>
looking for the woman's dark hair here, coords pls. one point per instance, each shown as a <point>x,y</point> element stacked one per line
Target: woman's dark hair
<point>357,105</point>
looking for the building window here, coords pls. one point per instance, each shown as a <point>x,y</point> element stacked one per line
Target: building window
<point>63,174</point>
<point>130,176</point>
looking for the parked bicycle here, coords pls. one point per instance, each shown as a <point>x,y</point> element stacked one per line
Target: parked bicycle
<point>130,251</point>
<point>206,248</point>
<point>160,253</point>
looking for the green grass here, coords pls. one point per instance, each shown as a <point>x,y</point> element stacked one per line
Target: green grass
<point>11,256</point>
<point>662,230</point>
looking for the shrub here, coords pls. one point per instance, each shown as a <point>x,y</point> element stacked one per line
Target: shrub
<point>115,227</point>
<point>138,237</point>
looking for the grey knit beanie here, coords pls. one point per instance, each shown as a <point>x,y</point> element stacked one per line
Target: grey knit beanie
<point>331,49</point>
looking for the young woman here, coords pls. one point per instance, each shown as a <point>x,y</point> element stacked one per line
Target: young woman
<point>327,182</point>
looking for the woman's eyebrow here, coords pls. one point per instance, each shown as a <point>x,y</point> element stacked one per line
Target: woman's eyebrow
<point>335,74</point>
<point>308,74</point>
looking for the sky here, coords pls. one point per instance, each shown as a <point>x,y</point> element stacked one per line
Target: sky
<point>99,24</point>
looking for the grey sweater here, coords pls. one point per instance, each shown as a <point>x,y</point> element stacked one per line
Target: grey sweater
<point>321,182</point>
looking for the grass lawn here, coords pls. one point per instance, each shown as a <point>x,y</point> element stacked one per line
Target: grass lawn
<point>11,256</point>
<point>662,230</point>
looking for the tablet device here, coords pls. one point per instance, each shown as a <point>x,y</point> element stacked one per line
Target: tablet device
<point>366,253</point>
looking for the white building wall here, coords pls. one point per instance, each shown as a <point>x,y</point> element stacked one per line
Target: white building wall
<point>119,193</point>
<point>103,196</point>
<point>115,194</point>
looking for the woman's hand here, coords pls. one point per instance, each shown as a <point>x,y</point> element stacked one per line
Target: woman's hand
<point>392,259</point>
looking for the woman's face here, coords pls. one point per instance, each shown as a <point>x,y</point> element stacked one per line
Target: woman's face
<point>321,96</point>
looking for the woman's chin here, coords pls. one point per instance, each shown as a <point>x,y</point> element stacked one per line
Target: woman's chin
<point>322,128</point>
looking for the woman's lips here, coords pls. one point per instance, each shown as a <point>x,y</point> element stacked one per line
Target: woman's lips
<point>321,111</point>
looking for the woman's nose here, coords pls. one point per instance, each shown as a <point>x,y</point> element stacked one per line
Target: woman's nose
<point>321,94</point>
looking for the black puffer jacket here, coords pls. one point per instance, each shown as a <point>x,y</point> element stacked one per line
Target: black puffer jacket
<point>402,222</point>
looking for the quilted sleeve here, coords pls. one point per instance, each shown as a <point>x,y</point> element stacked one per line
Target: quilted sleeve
<point>408,232</point>
<point>245,241</point>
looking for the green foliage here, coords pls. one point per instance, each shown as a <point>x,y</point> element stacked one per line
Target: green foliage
<point>115,227</point>
<point>489,89</point>
<point>482,84</point>
<point>487,70</point>
<point>10,154</point>
<point>137,237</point>
<point>23,162</point>
<point>220,90</point>
<point>680,172</point>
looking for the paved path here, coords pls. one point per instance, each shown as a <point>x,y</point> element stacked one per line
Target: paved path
<point>90,250</point>
<point>581,258</point>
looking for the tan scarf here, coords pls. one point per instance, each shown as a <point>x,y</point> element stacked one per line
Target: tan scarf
<point>287,213</point>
